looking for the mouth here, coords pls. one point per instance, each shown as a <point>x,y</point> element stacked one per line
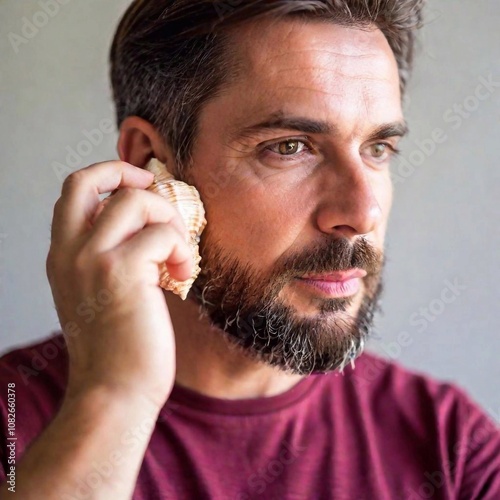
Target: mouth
<point>334,285</point>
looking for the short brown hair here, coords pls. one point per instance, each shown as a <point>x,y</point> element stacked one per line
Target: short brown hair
<point>169,57</point>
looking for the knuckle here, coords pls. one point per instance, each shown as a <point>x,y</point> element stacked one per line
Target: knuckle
<point>128,194</point>
<point>87,266</point>
<point>107,264</point>
<point>72,181</point>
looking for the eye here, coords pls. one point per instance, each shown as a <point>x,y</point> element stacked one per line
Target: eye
<point>288,151</point>
<point>378,150</point>
<point>288,148</point>
<point>381,151</point>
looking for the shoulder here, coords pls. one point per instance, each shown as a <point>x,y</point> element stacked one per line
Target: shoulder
<point>37,372</point>
<point>390,379</point>
<point>36,364</point>
<point>411,393</point>
<point>433,417</point>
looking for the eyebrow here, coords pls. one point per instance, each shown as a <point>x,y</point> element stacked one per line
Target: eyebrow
<point>310,126</point>
<point>395,129</point>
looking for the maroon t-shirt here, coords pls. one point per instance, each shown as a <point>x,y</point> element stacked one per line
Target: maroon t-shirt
<point>379,431</point>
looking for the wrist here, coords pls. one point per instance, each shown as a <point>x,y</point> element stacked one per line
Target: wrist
<point>97,396</point>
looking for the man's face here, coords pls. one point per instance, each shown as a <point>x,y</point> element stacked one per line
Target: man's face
<point>292,164</point>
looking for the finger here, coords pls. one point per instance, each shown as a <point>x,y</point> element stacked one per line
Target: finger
<point>80,195</point>
<point>99,210</point>
<point>129,211</point>
<point>156,244</point>
<point>101,206</point>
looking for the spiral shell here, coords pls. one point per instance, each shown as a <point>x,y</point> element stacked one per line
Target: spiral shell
<point>187,201</point>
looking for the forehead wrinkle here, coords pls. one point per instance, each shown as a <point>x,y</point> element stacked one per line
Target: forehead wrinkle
<point>315,71</point>
<point>315,68</point>
<point>293,37</point>
<point>261,86</point>
<point>310,89</point>
<point>321,51</point>
<point>361,77</point>
<point>360,44</point>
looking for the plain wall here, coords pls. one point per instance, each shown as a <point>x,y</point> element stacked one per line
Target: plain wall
<point>441,302</point>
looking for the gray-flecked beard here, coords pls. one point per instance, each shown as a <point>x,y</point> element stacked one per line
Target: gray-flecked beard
<point>245,305</point>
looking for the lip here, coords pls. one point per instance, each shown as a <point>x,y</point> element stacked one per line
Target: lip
<point>338,276</point>
<point>337,284</point>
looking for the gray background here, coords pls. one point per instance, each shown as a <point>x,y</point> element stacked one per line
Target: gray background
<point>444,224</point>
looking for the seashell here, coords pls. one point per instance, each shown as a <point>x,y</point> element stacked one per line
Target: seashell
<point>187,201</point>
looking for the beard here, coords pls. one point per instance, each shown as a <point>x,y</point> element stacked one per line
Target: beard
<point>245,304</point>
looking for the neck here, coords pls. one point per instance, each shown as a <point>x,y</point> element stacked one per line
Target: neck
<point>207,363</point>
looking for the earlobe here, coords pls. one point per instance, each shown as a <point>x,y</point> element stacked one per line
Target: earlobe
<point>139,141</point>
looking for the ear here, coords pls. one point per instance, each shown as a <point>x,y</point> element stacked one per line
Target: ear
<point>139,141</point>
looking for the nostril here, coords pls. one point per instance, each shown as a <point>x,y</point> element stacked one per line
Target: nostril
<point>346,230</point>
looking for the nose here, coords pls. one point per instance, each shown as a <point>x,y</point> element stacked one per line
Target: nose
<point>348,203</point>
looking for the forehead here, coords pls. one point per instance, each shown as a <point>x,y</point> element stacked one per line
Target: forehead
<point>305,67</point>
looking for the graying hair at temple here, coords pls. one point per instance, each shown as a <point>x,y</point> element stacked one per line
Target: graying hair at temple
<point>169,57</point>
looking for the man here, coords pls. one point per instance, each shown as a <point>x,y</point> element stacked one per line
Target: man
<point>285,116</point>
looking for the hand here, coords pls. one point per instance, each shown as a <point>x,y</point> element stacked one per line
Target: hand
<point>102,267</point>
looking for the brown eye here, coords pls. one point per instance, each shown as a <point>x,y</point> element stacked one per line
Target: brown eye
<point>378,150</point>
<point>289,147</point>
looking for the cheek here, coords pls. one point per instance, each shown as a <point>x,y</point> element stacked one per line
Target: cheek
<point>258,218</point>
<point>256,221</point>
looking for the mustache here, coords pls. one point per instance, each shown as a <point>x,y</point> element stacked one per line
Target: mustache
<point>339,254</point>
